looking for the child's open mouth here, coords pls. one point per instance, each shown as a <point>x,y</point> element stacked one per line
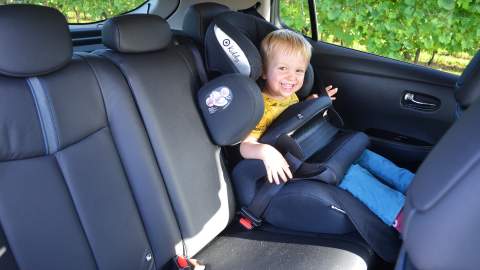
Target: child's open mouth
<point>287,86</point>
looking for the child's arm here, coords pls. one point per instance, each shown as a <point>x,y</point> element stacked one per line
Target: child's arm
<point>276,166</point>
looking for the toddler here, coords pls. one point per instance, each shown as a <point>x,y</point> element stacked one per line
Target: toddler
<point>374,180</point>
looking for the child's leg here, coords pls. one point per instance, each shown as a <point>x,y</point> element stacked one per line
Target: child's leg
<point>384,169</point>
<point>385,202</point>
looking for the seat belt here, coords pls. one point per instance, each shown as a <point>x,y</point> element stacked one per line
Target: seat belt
<point>383,239</point>
<point>202,74</point>
<point>251,215</point>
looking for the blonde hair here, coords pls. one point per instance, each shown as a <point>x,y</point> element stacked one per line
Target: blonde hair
<point>288,42</point>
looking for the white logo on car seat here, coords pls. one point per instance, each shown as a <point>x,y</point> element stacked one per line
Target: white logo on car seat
<point>219,99</point>
<point>233,51</point>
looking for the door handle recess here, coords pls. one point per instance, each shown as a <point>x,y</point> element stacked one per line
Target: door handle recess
<point>411,97</point>
<point>420,101</point>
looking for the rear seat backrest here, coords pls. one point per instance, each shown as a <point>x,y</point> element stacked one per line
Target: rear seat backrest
<point>72,142</point>
<point>164,81</point>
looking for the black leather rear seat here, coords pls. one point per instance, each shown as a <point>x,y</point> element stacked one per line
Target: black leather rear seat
<point>82,173</point>
<point>71,141</point>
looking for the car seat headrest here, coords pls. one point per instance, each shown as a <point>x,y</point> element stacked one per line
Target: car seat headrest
<point>467,88</point>
<point>198,18</point>
<point>136,33</point>
<point>35,40</point>
<point>231,106</point>
<point>232,45</point>
<point>230,51</point>
<point>441,220</point>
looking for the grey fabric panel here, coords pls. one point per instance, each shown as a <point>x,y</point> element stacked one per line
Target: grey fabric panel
<point>164,92</point>
<point>442,220</point>
<point>20,132</point>
<point>39,42</point>
<point>76,102</point>
<point>101,194</point>
<point>39,219</point>
<point>136,33</point>
<point>138,160</point>
<point>198,18</point>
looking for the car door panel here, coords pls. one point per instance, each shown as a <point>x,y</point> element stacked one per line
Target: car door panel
<point>371,98</point>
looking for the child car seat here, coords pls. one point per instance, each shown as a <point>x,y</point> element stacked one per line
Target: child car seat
<point>231,109</point>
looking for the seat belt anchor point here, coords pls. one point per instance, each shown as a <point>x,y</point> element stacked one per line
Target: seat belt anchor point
<point>248,220</point>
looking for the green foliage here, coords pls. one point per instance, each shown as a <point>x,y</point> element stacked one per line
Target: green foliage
<point>400,29</point>
<point>295,14</point>
<point>84,11</point>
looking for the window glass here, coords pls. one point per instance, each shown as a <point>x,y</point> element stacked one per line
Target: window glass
<point>85,11</point>
<point>441,34</point>
<point>294,14</point>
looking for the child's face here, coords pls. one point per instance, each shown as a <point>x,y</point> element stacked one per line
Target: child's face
<point>284,74</point>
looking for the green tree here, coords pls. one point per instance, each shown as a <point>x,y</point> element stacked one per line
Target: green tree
<point>400,29</point>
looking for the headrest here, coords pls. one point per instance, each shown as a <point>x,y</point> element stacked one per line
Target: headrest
<point>441,223</point>
<point>35,40</point>
<point>198,18</point>
<point>467,88</point>
<point>22,135</point>
<point>136,33</point>
<point>228,50</point>
<point>231,106</point>
<point>232,45</point>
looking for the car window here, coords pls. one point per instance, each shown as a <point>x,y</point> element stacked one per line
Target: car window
<point>85,11</point>
<point>441,34</point>
<point>294,14</point>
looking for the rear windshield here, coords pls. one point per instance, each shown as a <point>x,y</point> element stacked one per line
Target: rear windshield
<point>85,11</point>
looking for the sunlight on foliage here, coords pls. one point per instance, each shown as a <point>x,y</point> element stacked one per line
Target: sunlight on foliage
<point>443,34</point>
<point>84,11</point>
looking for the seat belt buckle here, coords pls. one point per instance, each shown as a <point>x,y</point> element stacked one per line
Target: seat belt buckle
<point>182,263</point>
<point>248,220</point>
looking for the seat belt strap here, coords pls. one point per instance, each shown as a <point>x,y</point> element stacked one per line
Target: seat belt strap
<point>202,74</point>
<point>251,215</point>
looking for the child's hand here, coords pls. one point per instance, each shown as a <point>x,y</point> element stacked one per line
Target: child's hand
<point>276,166</point>
<point>331,92</point>
<point>312,96</point>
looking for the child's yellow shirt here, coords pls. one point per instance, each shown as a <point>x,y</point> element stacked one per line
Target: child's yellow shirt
<point>272,109</point>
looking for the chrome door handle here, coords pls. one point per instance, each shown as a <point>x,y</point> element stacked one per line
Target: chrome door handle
<point>411,97</point>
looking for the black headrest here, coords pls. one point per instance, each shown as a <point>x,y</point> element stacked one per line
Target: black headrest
<point>136,33</point>
<point>231,106</point>
<point>232,45</point>
<point>35,40</point>
<point>467,89</point>
<point>441,216</point>
<point>198,18</point>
